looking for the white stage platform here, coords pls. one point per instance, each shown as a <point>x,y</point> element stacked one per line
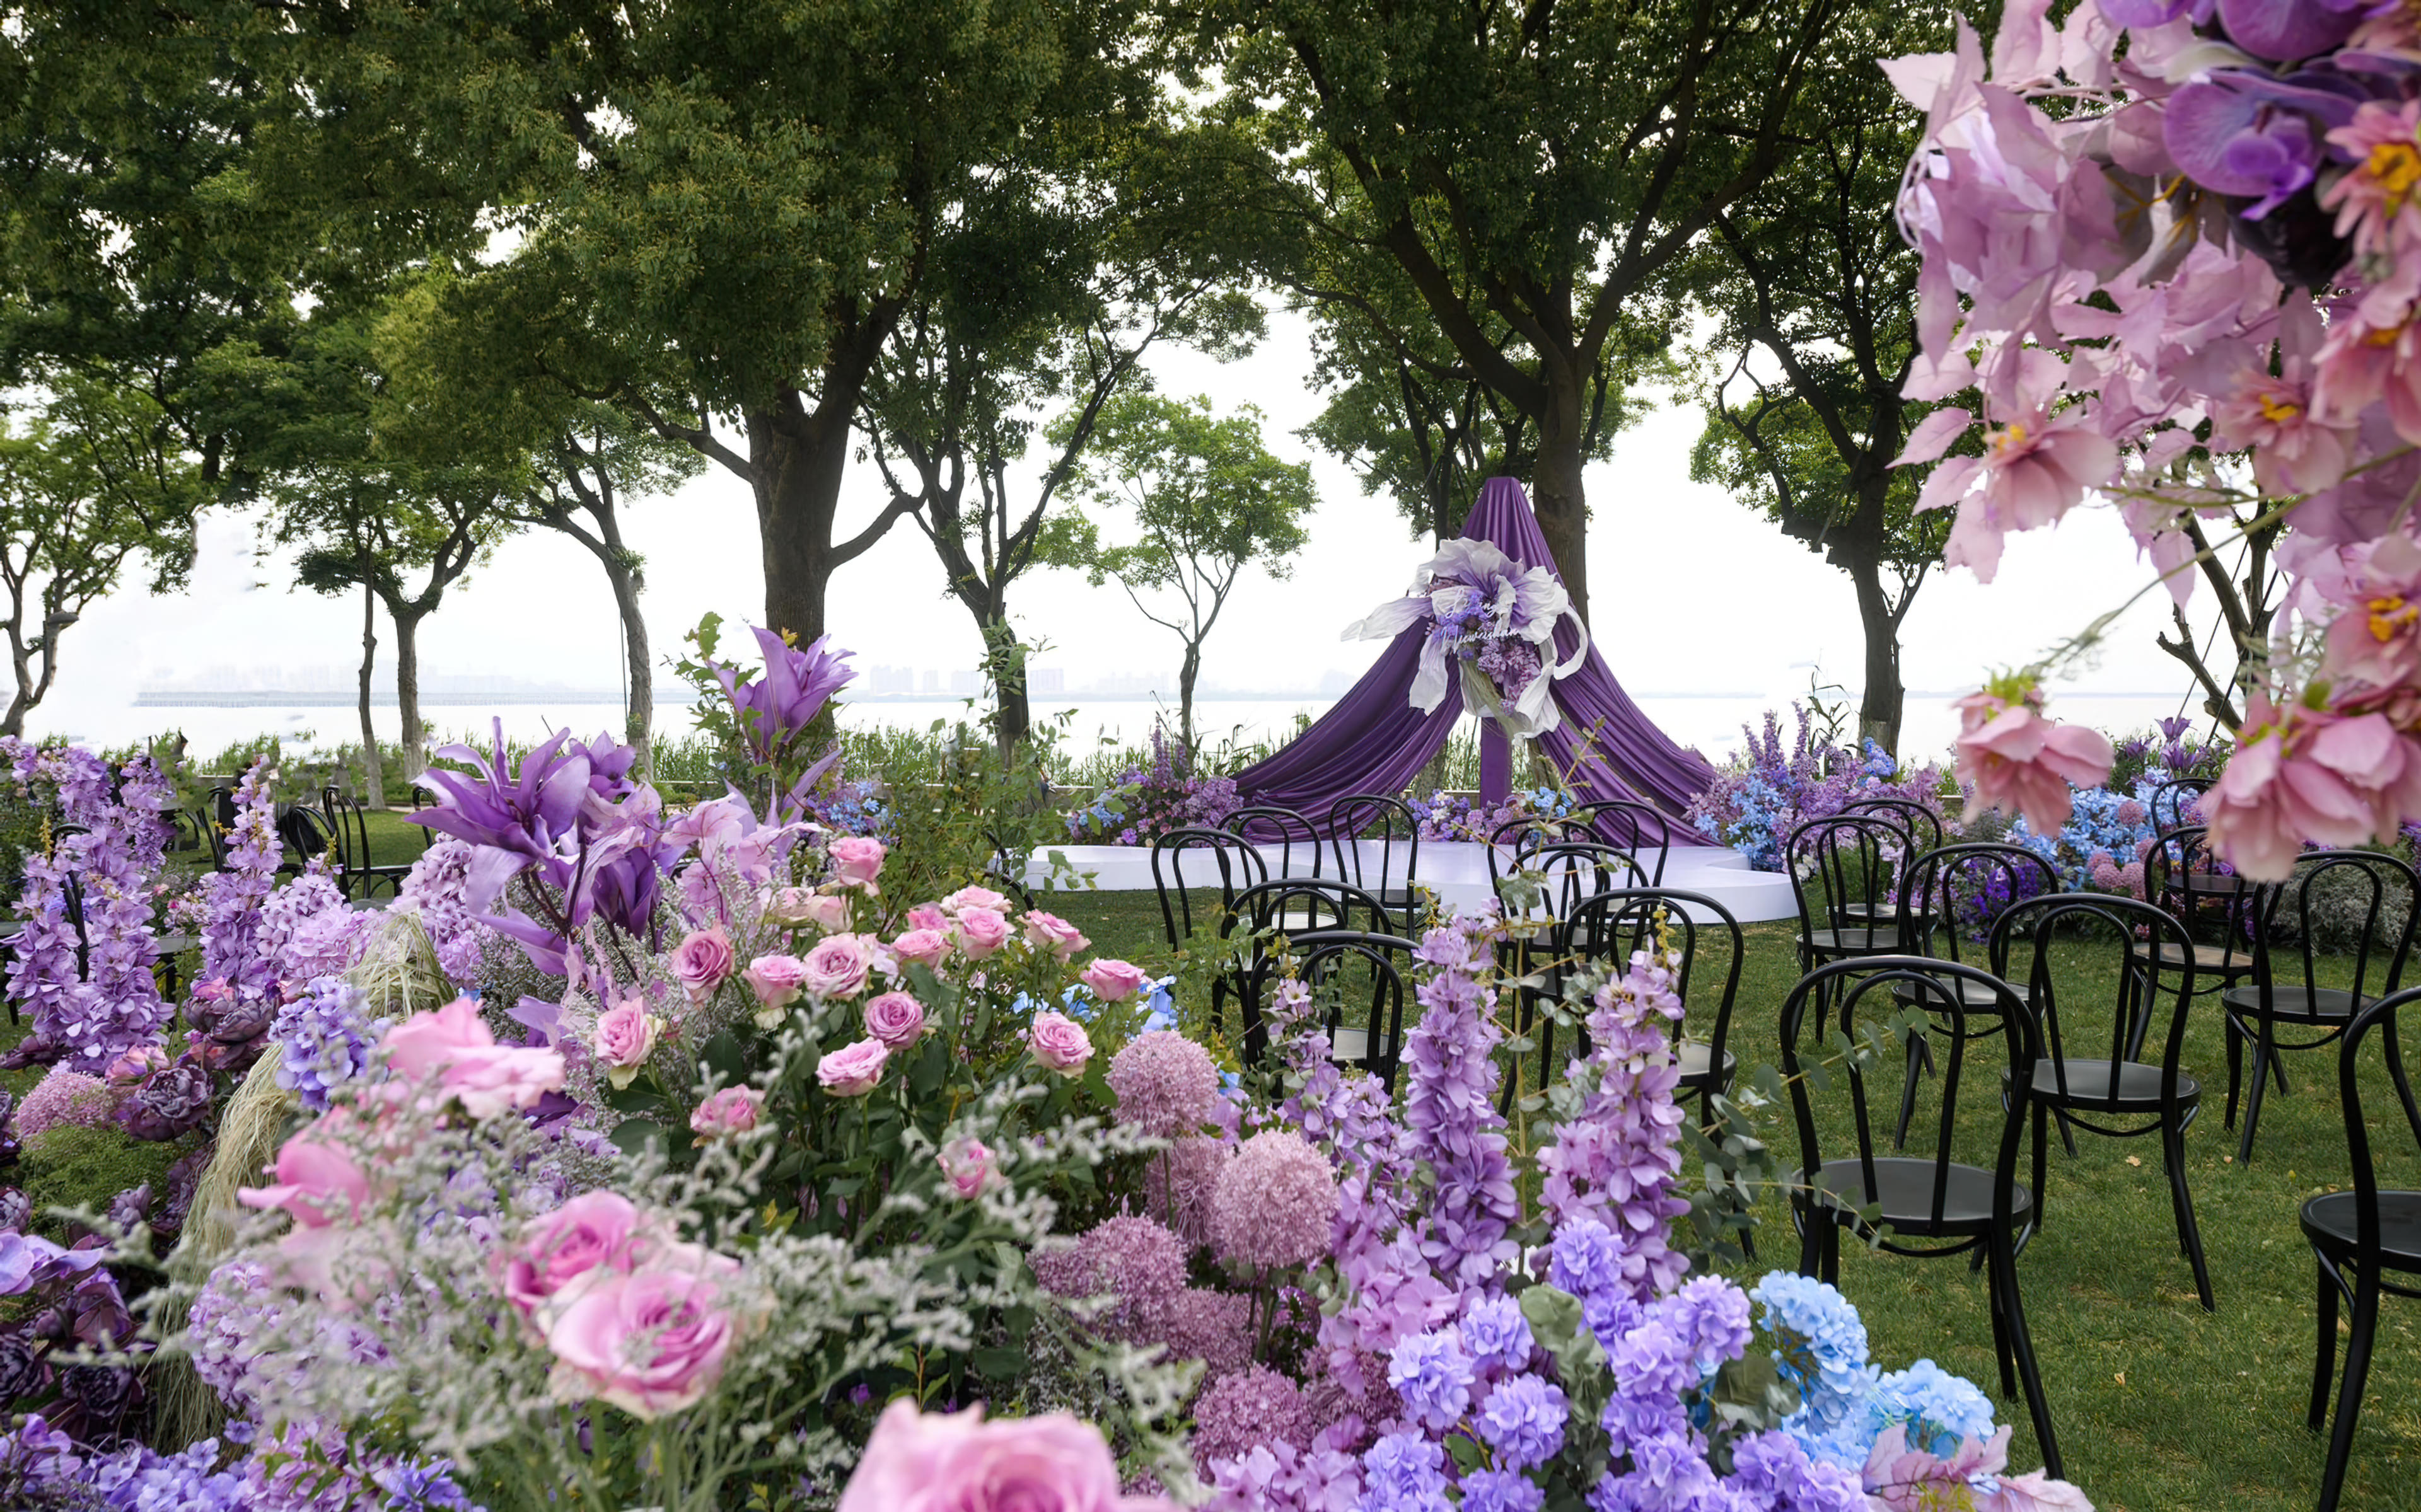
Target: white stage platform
<point>1457,871</point>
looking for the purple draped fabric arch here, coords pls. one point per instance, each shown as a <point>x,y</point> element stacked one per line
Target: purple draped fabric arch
<point>1375,741</point>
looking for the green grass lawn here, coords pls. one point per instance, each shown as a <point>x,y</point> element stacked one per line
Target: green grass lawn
<point>2159,1405</point>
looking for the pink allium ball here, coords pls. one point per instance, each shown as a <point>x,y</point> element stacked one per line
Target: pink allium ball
<point>1276,1204</point>
<point>1179,1182</point>
<point>1214,1326</point>
<point>1246,1409</point>
<point>1164,1083</point>
<point>63,1097</point>
<point>1134,1260</point>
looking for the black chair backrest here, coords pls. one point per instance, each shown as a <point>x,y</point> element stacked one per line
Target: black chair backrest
<point>305,833</point>
<point>2184,877</point>
<point>2106,1016</point>
<point>1922,825</point>
<point>221,803</point>
<point>1613,926</point>
<point>1237,865</point>
<point>1952,894</point>
<point>2368,901</point>
<point>213,838</point>
<point>1641,828</point>
<point>72,893</point>
<point>1306,903</point>
<point>1270,824</point>
<point>2385,1019</point>
<point>1388,824</point>
<point>1572,870</point>
<point>1842,860</point>
<point>1846,997</point>
<point>1361,982</point>
<point>2174,805</point>
<point>353,833</point>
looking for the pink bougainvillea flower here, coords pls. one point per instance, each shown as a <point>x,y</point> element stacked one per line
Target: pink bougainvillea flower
<point>2020,762</point>
<point>2036,467</point>
<point>2309,774</point>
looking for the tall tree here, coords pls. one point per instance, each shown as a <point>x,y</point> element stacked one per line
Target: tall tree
<point>1812,294</point>
<point>97,479</point>
<point>1209,500</point>
<point>1542,166</point>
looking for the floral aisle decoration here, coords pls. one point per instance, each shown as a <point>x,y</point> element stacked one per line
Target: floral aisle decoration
<point>1445,816</point>
<point>1146,802</point>
<point>2154,216</point>
<point>1769,789</point>
<point>1495,621</point>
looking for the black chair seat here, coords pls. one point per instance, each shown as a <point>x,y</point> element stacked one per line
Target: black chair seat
<point>1696,1058</point>
<point>1904,1191</point>
<point>174,944</point>
<point>1882,940</point>
<point>2089,1087</point>
<point>2328,1223</point>
<point>2206,957</point>
<point>1973,995</point>
<point>2295,1005</point>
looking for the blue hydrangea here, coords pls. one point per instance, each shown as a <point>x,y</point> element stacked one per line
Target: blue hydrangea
<point>1524,1421</point>
<point>1403,1472</point>
<point>323,1039</point>
<point>1501,1491</point>
<point>1939,1408</point>
<point>1821,1346</point>
<point>427,1487</point>
<point>1495,1333</point>
<point>1432,1377</point>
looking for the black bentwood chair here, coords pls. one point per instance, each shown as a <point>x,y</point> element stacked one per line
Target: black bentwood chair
<point>1927,1205</point>
<point>358,877</point>
<point>1841,878</point>
<point>1951,895</point>
<point>1640,828</point>
<point>1295,837</point>
<point>2366,1242</point>
<point>2092,1074</point>
<point>2368,901</point>
<point>1281,910</point>
<point>1360,822</point>
<point>1237,865</point>
<point>1359,984</point>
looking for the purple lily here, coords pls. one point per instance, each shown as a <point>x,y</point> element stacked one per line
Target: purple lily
<point>511,821</point>
<point>775,708</point>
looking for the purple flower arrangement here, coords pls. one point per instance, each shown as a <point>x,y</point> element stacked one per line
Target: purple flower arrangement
<point>1445,816</point>
<point>1148,802</point>
<point>1769,789</point>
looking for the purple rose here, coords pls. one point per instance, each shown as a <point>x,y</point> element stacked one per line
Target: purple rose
<point>853,1070</point>
<point>896,1019</point>
<point>701,961</point>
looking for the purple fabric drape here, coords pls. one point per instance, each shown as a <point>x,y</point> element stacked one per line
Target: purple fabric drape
<point>1374,740</point>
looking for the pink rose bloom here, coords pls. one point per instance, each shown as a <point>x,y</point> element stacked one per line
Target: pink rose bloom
<point>855,859</point>
<point>896,1019</point>
<point>1059,1042</point>
<point>828,911</point>
<point>2022,762</point>
<point>852,1070</point>
<point>625,1037</point>
<point>136,1064</point>
<point>776,981</point>
<point>926,946</point>
<point>424,1044</point>
<point>969,1166</point>
<point>956,1462</point>
<point>982,930</point>
<point>732,1111</point>
<point>974,897</point>
<point>651,1342</point>
<point>489,1082</point>
<point>593,1229</point>
<point>1112,981</point>
<point>318,1182</point>
<point>836,967</point>
<point>1048,932</point>
<point>787,905</point>
<point>929,916</point>
<point>702,960</point>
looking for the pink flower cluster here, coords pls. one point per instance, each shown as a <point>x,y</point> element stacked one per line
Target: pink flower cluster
<point>2020,761</point>
<point>957,1462</point>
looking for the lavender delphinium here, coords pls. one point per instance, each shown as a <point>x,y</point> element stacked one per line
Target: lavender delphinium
<point>1148,802</point>
<point>232,952</point>
<point>1769,789</point>
<point>1450,1115</point>
<point>323,1039</point>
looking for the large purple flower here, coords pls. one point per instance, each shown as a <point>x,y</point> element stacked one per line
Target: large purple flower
<point>512,819</point>
<point>776,708</point>
<point>2285,30</point>
<point>2244,132</point>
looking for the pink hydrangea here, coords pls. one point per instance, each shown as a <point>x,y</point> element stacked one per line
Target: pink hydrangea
<point>1247,1408</point>
<point>63,1097</point>
<point>1164,1083</point>
<point>1275,1203</point>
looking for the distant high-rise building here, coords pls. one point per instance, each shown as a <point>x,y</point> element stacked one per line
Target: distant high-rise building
<point>1335,682</point>
<point>892,679</point>
<point>932,681</point>
<point>1048,681</point>
<point>966,684</point>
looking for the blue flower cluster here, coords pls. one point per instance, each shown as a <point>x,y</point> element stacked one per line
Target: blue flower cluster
<point>1846,1402</point>
<point>323,1039</point>
<point>57,1474</point>
<point>1156,1002</point>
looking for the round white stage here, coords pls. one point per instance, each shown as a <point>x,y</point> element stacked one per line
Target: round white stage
<point>1455,870</point>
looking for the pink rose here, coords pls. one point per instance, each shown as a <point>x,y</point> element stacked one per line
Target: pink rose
<point>702,960</point>
<point>969,1166</point>
<point>732,1111</point>
<point>426,1042</point>
<point>776,981</point>
<point>1048,932</point>
<point>855,859</point>
<point>1059,1042</point>
<point>926,946</point>
<point>136,1064</point>
<point>787,905</point>
<point>956,1462</point>
<point>836,967</point>
<point>974,897</point>
<point>1112,981</point>
<point>981,931</point>
<point>852,1070</point>
<point>454,1044</point>
<point>929,916</point>
<point>651,1342</point>
<point>319,1181</point>
<point>625,1037</point>
<point>896,1019</point>
<point>596,1228</point>
<point>828,911</point>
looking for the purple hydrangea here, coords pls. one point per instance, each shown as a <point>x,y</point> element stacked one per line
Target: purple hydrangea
<point>63,1097</point>
<point>1494,1333</point>
<point>1501,1491</point>
<point>1403,1472</point>
<point>58,1474</point>
<point>436,890</point>
<point>1524,1421</point>
<point>323,1040</point>
<point>1433,1377</point>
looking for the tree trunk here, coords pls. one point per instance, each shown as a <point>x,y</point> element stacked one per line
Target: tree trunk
<point>1556,493</point>
<point>1886,698</point>
<point>407,690</point>
<point>1185,675</point>
<point>373,779</point>
<point>1005,659</point>
<point>639,712</point>
<point>796,467</point>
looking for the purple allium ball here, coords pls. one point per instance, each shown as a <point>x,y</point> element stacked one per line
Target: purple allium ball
<point>1134,1260</point>
<point>1164,1083</point>
<point>1275,1203</point>
<point>1247,1408</point>
<point>1214,1326</point>
<point>63,1097</point>
<point>1179,1182</point>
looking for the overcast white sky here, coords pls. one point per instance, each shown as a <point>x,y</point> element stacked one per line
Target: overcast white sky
<point>1693,592</point>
